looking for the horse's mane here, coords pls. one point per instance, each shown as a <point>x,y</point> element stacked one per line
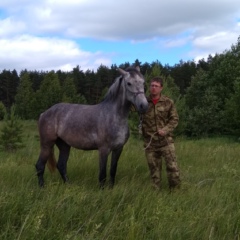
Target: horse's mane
<point>114,89</point>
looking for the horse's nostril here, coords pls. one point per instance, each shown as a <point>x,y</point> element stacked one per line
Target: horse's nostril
<point>143,108</point>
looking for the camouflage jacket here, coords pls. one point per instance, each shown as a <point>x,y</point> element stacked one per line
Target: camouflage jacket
<point>163,116</point>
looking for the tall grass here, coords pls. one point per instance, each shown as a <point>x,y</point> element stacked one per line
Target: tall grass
<point>206,207</point>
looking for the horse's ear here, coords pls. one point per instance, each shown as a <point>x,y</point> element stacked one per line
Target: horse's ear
<point>138,68</point>
<point>124,73</point>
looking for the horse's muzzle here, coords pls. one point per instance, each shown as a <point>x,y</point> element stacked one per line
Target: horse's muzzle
<point>143,107</point>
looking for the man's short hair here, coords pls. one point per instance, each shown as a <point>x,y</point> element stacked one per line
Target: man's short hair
<point>157,79</point>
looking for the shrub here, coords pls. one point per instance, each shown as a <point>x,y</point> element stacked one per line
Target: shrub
<point>11,133</point>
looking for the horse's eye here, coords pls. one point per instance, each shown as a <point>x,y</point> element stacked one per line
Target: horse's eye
<point>129,84</point>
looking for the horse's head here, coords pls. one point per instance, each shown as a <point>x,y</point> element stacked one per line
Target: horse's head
<point>134,85</point>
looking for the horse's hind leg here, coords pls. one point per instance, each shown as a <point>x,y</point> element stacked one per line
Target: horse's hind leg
<point>64,150</point>
<point>45,154</point>
<point>114,162</point>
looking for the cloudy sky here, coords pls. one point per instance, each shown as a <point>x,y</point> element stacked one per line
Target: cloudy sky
<point>61,34</point>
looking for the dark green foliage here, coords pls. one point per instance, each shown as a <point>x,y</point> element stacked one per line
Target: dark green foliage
<point>89,91</point>
<point>79,80</point>
<point>134,121</point>
<point>204,119</point>
<point>182,73</point>
<point>35,77</point>
<point>70,94</point>
<point>103,80</point>
<point>180,104</point>
<point>204,112</point>
<point>49,93</point>
<point>11,133</point>
<point>232,110</point>
<point>9,81</point>
<point>2,111</point>
<point>145,68</point>
<point>211,95</point>
<point>196,91</point>
<point>125,65</point>
<point>24,97</point>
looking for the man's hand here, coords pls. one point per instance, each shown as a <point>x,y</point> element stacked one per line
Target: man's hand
<point>162,132</point>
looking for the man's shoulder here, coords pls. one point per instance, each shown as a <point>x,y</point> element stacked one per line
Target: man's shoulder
<point>148,98</point>
<point>166,99</point>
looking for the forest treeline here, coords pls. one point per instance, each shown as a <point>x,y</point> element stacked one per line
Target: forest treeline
<point>206,93</point>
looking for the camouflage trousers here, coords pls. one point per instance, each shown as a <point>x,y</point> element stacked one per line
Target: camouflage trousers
<point>154,160</point>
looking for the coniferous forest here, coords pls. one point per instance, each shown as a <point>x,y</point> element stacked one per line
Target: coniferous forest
<point>206,93</point>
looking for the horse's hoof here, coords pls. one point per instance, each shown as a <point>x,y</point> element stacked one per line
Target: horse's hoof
<point>66,179</point>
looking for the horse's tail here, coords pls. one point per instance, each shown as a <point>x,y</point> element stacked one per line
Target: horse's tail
<point>51,162</point>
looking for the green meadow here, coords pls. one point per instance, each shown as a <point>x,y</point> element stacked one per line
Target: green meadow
<point>206,207</point>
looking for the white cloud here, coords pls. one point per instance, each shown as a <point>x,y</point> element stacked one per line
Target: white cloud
<point>9,26</point>
<point>218,42</point>
<point>135,20</point>
<point>34,53</point>
<point>176,42</point>
<point>43,34</point>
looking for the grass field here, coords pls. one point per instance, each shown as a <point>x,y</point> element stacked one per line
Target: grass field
<point>206,207</point>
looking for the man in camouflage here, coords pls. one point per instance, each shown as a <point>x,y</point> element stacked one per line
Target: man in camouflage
<point>157,129</point>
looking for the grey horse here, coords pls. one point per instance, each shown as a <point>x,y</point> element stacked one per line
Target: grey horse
<point>102,127</point>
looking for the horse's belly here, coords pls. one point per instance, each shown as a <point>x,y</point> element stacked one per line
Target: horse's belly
<point>93,140</point>
<point>81,142</point>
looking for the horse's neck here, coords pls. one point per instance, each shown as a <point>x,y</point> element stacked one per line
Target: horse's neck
<point>123,108</point>
<point>117,107</point>
<point>117,102</point>
<point>122,104</point>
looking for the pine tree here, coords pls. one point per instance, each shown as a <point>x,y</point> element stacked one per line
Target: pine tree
<point>70,92</point>
<point>24,97</point>
<point>49,93</point>
<point>9,81</point>
<point>11,134</point>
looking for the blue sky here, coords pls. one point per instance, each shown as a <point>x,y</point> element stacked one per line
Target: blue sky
<point>127,51</point>
<point>59,34</point>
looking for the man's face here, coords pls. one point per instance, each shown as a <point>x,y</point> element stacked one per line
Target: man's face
<point>155,88</point>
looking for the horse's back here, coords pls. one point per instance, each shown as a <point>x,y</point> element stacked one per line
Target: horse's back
<point>62,112</point>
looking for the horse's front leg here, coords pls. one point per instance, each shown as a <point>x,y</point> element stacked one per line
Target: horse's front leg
<point>103,157</point>
<point>114,162</point>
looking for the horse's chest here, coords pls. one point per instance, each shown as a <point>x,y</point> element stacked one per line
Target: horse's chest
<point>120,137</point>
